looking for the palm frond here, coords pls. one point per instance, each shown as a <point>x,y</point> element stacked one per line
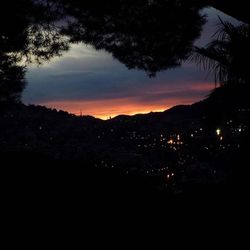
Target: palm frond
<point>224,56</point>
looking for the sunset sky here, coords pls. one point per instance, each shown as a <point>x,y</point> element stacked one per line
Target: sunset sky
<point>92,82</point>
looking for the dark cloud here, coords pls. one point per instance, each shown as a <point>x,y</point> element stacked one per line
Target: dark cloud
<point>116,82</point>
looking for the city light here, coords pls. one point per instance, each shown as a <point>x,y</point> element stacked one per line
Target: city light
<point>171,141</point>
<point>218,132</point>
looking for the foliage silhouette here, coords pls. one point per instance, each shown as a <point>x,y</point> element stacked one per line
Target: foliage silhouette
<point>227,55</point>
<point>12,80</point>
<point>148,35</point>
<point>31,36</point>
<point>145,35</point>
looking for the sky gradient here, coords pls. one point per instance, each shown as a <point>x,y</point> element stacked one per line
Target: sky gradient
<point>91,82</point>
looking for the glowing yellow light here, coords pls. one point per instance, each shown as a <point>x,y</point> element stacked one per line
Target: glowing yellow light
<point>171,142</point>
<point>218,132</point>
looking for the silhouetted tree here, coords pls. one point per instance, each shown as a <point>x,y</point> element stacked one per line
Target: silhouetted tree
<point>32,35</point>
<point>227,56</point>
<point>146,35</point>
<point>151,35</point>
<point>12,80</point>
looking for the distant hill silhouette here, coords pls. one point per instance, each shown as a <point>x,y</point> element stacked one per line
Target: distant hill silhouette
<point>53,152</point>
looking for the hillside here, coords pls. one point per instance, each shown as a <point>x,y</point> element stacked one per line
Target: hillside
<point>186,147</point>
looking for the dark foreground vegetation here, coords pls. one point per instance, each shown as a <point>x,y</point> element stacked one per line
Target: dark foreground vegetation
<point>198,151</point>
<point>188,151</point>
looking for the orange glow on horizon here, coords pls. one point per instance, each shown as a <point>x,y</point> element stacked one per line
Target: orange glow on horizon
<point>104,109</point>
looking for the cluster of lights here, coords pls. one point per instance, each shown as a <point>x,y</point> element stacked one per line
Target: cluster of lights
<point>170,176</point>
<point>218,131</point>
<point>219,134</point>
<point>176,142</point>
<point>157,170</point>
<point>196,132</point>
